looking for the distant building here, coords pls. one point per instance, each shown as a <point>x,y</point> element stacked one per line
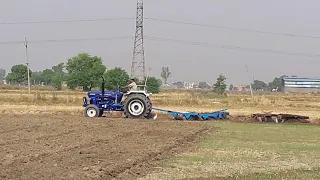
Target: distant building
<point>188,85</point>
<point>241,87</point>
<point>301,85</point>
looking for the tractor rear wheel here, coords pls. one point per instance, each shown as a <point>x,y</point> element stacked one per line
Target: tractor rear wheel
<point>92,111</point>
<point>137,106</point>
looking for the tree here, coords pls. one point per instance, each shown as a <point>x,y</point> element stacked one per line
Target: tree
<point>59,69</point>
<point>165,74</point>
<point>37,77</point>
<point>277,83</point>
<point>57,82</point>
<point>58,76</point>
<point>203,85</point>
<point>159,82</point>
<point>115,78</point>
<point>85,70</point>
<point>153,85</point>
<point>231,87</point>
<point>54,76</point>
<point>2,74</point>
<point>179,84</point>
<point>47,76</point>
<point>259,85</point>
<point>19,74</point>
<point>220,86</point>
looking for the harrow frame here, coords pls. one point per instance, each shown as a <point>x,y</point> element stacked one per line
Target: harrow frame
<point>221,114</point>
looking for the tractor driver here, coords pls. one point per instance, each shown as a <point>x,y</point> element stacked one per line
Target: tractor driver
<point>132,86</point>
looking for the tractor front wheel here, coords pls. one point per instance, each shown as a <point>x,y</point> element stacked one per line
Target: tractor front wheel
<point>92,111</point>
<point>137,106</point>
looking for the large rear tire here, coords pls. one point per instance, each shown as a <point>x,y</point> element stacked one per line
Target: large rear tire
<point>137,106</point>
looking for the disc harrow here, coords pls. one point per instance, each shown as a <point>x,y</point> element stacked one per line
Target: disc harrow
<point>221,114</point>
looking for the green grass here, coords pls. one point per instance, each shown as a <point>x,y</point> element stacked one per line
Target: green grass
<point>249,151</point>
<point>290,174</point>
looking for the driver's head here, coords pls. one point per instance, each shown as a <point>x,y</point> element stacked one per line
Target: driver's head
<point>131,80</point>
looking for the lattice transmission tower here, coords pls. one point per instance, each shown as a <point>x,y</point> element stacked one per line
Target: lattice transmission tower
<point>138,68</point>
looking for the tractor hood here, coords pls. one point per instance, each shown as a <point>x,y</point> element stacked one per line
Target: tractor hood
<point>106,93</point>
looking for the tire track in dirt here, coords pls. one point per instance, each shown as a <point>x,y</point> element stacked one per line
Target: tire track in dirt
<point>99,149</point>
<point>18,141</point>
<point>39,157</point>
<point>139,166</point>
<point>136,168</point>
<point>20,123</point>
<point>21,129</point>
<point>57,124</point>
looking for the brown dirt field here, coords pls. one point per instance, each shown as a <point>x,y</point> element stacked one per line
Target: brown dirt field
<point>66,147</point>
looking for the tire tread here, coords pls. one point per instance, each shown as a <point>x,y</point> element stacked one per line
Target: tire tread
<point>144,99</point>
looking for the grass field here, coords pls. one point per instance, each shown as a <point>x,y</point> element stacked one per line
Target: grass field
<point>249,151</point>
<point>52,131</point>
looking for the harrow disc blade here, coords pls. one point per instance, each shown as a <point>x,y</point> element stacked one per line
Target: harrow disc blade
<point>179,117</point>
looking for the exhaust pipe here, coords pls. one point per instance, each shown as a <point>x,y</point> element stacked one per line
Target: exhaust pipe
<point>102,86</point>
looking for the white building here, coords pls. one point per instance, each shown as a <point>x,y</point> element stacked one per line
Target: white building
<point>188,85</point>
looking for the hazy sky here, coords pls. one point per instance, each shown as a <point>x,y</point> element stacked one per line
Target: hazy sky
<point>187,62</point>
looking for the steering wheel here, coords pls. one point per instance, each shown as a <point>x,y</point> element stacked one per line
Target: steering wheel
<point>122,90</point>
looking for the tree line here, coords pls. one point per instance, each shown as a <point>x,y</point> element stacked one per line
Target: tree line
<point>83,71</point>
<point>275,85</point>
<point>257,85</point>
<point>219,87</point>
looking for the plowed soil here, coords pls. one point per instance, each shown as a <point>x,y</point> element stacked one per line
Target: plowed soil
<point>66,147</point>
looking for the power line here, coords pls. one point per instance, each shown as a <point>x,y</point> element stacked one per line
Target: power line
<point>12,42</point>
<point>163,20</point>
<point>236,29</point>
<point>82,39</point>
<point>170,41</point>
<point>64,21</point>
<point>68,40</point>
<point>231,47</point>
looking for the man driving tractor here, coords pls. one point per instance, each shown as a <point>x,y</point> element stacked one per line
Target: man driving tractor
<point>132,86</point>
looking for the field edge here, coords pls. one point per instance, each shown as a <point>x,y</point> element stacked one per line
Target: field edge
<point>157,160</point>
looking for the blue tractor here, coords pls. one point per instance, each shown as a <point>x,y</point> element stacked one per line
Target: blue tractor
<point>134,104</point>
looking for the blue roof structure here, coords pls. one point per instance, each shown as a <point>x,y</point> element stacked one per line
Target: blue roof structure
<point>301,82</point>
<point>295,78</point>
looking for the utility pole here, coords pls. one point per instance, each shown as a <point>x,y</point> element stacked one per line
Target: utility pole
<point>250,84</point>
<point>138,69</point>
<point>26,46</point>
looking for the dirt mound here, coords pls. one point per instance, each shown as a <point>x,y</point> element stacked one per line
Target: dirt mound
<point>241,119</point>
<point>66,147</point>
<point>315,122</point>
